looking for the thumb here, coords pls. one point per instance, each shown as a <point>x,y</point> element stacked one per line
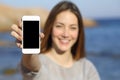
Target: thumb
<point>42,35</point>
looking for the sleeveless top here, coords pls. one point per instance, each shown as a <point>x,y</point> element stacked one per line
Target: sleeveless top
<point>82,69</point>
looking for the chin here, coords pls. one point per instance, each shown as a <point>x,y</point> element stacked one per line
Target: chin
<point>62,49</point>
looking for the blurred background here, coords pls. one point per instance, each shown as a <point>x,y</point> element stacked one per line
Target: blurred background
<point>102,33</point>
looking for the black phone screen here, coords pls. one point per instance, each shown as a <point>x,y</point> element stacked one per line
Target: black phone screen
<point>30,34</point>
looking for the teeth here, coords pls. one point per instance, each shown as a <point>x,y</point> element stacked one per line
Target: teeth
<point>64,41</point>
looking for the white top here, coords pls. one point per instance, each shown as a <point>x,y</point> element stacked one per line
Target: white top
<point>83,69</point>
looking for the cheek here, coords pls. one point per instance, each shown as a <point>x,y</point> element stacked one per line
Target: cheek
<point>55,32</point>
<point>75,35</point>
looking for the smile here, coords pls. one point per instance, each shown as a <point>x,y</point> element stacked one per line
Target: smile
<point>64,41</point>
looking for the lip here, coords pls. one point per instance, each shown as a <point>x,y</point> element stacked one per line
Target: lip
<point>64,41</point>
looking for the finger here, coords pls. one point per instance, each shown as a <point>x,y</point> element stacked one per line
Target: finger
<point>42,35</point>
<point>18,41</point>
<point>14,34</point>
<point>19,20</point>
<point>16,29</point>
<point>20,24</point>
<point>19,45</point>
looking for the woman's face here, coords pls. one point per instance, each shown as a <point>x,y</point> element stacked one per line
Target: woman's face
<point>65,31</point>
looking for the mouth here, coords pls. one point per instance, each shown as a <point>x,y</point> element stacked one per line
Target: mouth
<point>64,41</point>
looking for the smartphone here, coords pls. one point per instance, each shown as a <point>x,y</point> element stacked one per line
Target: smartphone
<point>30,33</point>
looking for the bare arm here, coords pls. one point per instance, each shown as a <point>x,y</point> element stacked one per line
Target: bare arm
<point>31,62</point>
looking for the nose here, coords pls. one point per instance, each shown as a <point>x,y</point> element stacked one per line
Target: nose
<point>65,33</point>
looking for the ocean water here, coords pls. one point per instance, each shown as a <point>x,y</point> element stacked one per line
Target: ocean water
<point>102,48</point>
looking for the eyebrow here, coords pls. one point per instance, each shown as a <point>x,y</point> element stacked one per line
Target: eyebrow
<point>74,25</point>
<point>63,24</point>
<point>59,23</point>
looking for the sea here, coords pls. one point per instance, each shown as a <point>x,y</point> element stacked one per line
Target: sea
<point>102,44</point>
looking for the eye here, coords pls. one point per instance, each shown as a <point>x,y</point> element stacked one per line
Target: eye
<point>58,26</point>
<point>73,27</point>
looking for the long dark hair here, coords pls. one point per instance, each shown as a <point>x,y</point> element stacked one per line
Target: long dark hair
<point>78,50</point>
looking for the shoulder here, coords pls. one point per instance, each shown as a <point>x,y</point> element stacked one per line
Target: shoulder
<point>87,64</point>
<point>42,58</point>
<point>85,61</point>
<point>89,68</point>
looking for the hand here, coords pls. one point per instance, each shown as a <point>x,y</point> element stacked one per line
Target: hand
<point>17,33</point>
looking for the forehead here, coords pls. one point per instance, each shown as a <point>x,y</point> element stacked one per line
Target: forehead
<point>66,17</point>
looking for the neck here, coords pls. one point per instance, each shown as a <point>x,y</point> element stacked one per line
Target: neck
<point>65,59</point>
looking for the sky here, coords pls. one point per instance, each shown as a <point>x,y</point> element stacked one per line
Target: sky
<point>88,8</point>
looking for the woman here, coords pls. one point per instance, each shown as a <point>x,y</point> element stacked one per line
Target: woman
<point>62,54</point>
